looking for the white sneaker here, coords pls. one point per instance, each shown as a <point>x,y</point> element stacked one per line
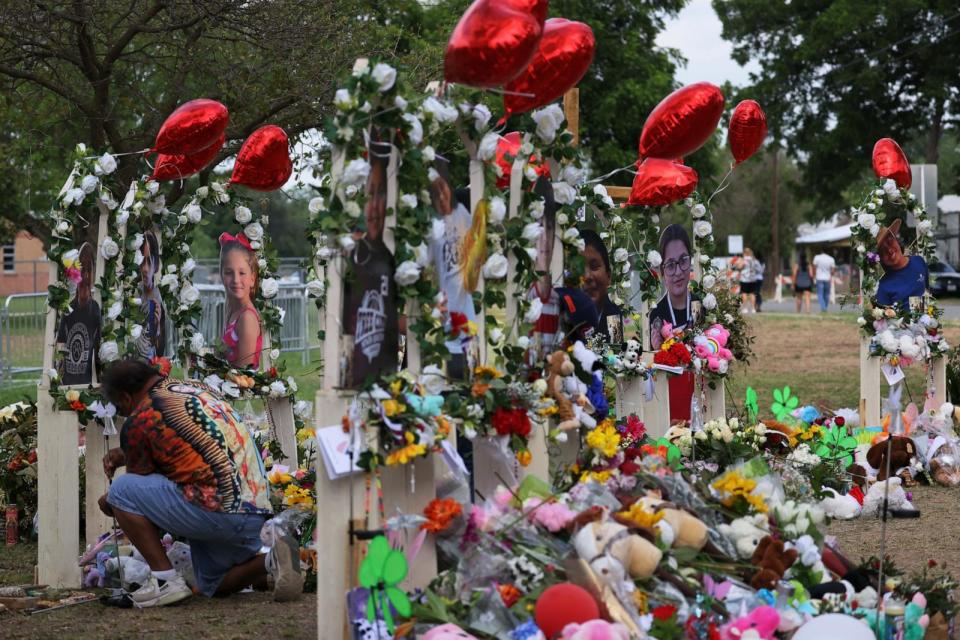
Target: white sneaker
<point>283,565</point>
<point>160,593</point>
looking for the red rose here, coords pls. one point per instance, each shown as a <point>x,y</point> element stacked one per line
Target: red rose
<point>501,421</point>
<point>458,323</point>
<point>839,421</point>
<point>664,612</point>
<point>629,468</point>
<point>32,457</point>
<point>273,372</point>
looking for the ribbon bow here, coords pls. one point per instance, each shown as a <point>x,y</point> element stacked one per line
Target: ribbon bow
<point>105,413</point>
<point>226,237</point>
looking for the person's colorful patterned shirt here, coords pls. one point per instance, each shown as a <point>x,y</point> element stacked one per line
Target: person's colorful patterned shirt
<point>186,432</point>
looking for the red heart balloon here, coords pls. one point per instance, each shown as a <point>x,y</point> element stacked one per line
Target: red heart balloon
<point>661,182</point>
<point>178,167</point>
<point>889,161</point>
<point>748,129</point>
<point>490,45</point>
<point>192,127</point>
<point>536,8</point>
<point>682,122</point>
<point>510,144</point>
<point>563,56</point>
<point>264,160</point>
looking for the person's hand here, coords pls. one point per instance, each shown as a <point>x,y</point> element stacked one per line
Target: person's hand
<point>113,460</point>
<point>105,506</point>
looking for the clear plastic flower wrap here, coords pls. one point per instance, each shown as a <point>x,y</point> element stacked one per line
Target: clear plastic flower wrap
<point>682,494</point>
<point>290,521</point>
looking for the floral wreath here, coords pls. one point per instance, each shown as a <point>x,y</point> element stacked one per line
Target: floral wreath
<point>371,99</point>
<point>900,333</point>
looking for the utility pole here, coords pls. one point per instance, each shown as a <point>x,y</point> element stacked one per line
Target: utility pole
<point>775,213</point>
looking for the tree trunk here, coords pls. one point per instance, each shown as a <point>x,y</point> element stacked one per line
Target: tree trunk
<point>932,152</point>
<point>775,216</point>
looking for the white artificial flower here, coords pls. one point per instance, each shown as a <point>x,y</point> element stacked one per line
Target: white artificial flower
<point>862,321</point>
<point>356,172</point>
<point>106,164</point>
<point>620,255</point>
<point>110,249</point>
<point>171,268</point>
<point>433,380</point>
<point>408,200</point>
<point>708,281</point>
<point>548,121</point>
<point>496,336</point>
<point>115,310</point>
<point>360,67</point>
<point>243,215</point>
<point>277,389</point>
<point>315,288</point>
<point>710,302</point>
<point>523,342</point>
<point>572,174</point>
<point>109,351</point>
<point>532,231</point>
<point>497,210</point>
<point>429,153</point>
<point>495,268</point>
<point>866,220</point>
<point>255,245</point>
<point>488,146</point>
<point>571,234</point>
<point>63,226</point>
<point>563,193</point>
<point>440,112</point>
<point>385,75</point>
<point>153,187</point>
<point>346,242</point>
<point>702,228</point>
<point>400,103</point>
<point>481,116</point>
<point>352,208</point>
<point>875,230</point>
<point>170,281</point>
<point>193,213</point>
<point>230,389</point>
<point>107,199</point>
<point>188,266</point>
<point>581,245</point>
<point>562,219</point>
<point>600,190</point>
<point>196,342</point>
<point>534,311</point>
<point>253,231</point>
<point>189,294</point>
<point>315,206</point>
<point>532,252</point>
<point>698,210</point>
<point>269,287</point>
<point>157,204</point>
<point>203,192</point>
<point>136,331</point>
<point>923,226</point>
<point>343,100</point>
<point>407,273</point>
<point>415,134</point>
<point>537,209</point>
<point>74,196</point>
<point>89,183</point>
<point>871,206</point>
<point>421,254</point>
<point>122,218</point>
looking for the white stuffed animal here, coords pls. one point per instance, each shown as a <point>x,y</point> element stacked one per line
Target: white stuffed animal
<point>630,358</point>
<point>897,498</point>
<point>840,507</point>
<point>746,532</point>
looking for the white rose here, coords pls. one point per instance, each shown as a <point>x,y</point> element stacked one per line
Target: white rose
<point>243,215</point>
<point>399,103</point>
<point>356,172</point>
<point>106,164</point>
<point>189,294</point>
<point>429,154</point>
<point>203,192</point>
<point>496,336</point>
<point>421,254</point>
<point>325,253</point>
<point>253,231</point>
<point>89,183</point>
<point>352,208</point>
<point>532,231</point>
<point>534,311</point>
<point>415,134</point>
<point>548,121</point>
<point>157,204</point>
<point>110,249</point>
<point>170,281</point>
<point>924,226</point>
<point>107,199</point>
<point>188,266</point>
<point>346,242</point>
<point>442,113</point>
<point>702,228</point>
<point>572,174</point>
<point>115,310</point>
<point>571,234</point>
<point>563,193</point>
<point>315,288</point>
<point>862,321</point>
<point>708,282</point>
<point>122,218</point>
<point>277,389</point>
<point>890,188</point>
<point>875,230</point>
<point>74,197</point>
<point>171,268</point>
<point>495,268</point>
<point>196,342</point>
<point>360,67</point>
<point>532,252</point>
<point>109,351</point>
<point>408,200</point>
<point>481,116</point>
<point>194,213</point>
<point>536,209</point>
<point>620,255</point>
<point>63,226</point>
<point>230,389</point>
<point>871,206</point>
<point>255,245</point>
<point>342,99</point>
<point>136,301</point>
<point>698,210</point>
<point>269,287</point>
<point>497,211</point>
<point>385,75</point>
<point>407,273</point>
<point>136,331</point>
<point>488,147</point>
<point>710,302</point>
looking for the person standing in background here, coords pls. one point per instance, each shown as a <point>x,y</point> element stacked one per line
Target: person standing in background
<point>802,282</point>
<point>825,266</point>
<point>748,277</point>
<point>758,282</point>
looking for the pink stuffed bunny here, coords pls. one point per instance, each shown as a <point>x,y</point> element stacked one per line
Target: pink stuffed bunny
<point>595,630</point>
<point>759,624</point>
<point>447,632</point>
<point>712,347</point>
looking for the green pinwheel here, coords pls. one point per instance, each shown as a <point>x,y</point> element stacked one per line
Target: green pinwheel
<point>380,573</point>
<point>753,409</point>
<point>784,403</point>
<point>836,444</point>
<point>673,451</point>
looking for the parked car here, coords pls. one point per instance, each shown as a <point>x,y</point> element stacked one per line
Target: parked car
<point>944,280</point>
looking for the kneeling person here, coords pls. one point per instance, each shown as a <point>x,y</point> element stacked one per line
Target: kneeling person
<point>193,470</point>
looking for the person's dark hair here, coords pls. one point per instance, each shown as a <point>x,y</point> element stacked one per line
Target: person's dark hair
<point>462,194</point>
<point>803,261</point>
<point>544,188</point>
<point>151,239</point>
<point>671,233</point>
<point>126,376</point>
<point>592,239</point>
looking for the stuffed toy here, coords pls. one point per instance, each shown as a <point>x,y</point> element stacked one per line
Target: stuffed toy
<point>590,363</point>
<point>613,553</point>
<point>711,346</point>
<point>944,470</point>
<point>447,632</point>
<point>559,367</point>
<point>678,528</point>
<point>134,571</point>
<point>772,561</point>
<point>897,498</point>
<point>903,452</point>
<point>630,358</point>
<point>759,624</point>
<point>746,533</point>
<point>840,507</point>
<point>595,630</point>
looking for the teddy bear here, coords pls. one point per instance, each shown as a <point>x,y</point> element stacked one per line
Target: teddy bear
<point>595,630</point>
<point>945,470</point>
<point>711,346</point>
<point>772,560</point>
<point>759,624</point>
<point>678,528</point>
<point>559,366</point>
<point>746,533</point>
<point>612,552</point>
<point>903,452</point>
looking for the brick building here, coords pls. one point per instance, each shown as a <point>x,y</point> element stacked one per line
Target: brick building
<point>23,267</point>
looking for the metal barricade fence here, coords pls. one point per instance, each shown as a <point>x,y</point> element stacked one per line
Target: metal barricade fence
<point>22,322</point>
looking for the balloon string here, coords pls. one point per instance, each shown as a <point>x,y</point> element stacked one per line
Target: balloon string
<point>613,173</point>
<point>507,92</point>
<point>118,155</point>
<point>723,185</point>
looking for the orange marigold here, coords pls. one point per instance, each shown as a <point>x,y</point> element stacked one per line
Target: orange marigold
<point>440,513</point>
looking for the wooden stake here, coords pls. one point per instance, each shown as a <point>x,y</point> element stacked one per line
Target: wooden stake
<point>571,109</point>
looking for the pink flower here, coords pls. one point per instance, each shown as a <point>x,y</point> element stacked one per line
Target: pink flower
<point>502,498</point>
<point>553,516</point>
<point>73,274</point>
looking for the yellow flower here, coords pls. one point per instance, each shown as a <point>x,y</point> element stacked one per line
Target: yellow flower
<point>489,372</point>
<point>395,387</point>
<point>604,438</point>
<point>279,475</point>
<point>405,454</point>
<point>294,495</point>
<point>599,476</point>
<point>548,411</point>
<point>392,407</point>
<point>305,434</point>
<point>524,457</point>
<point>640,517</point>
<point>443,426</point>
<point>640,599</point>
<point>72,395</point>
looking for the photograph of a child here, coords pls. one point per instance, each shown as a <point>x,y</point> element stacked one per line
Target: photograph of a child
<point>239,272</point>
<point>446,254</point>
<point>546,334</point>
<point>78,333</point>
<point>152,339</point>
<point>370,309</point>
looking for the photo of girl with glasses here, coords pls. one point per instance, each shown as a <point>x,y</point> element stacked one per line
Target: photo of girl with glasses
<point>596,282</point>
<point>674,308</point>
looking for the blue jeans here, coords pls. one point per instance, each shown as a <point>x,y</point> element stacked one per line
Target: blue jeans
<point>823,293</point>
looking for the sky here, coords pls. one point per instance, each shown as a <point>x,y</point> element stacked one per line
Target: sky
<point>696,33</point>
